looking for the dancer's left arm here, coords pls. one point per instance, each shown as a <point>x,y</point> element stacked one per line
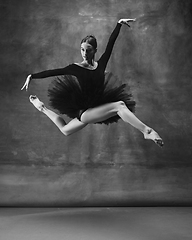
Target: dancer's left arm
<point>106,55</point>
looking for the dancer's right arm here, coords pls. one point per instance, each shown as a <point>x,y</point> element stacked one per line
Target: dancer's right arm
<point>49,73</point>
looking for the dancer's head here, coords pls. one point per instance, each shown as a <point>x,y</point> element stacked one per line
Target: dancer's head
<point>88,47</point>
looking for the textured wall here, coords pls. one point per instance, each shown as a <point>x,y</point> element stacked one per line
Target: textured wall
<point>99,165</point>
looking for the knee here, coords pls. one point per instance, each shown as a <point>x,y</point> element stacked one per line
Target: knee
<point>65,132</point>
<point>120,104</point>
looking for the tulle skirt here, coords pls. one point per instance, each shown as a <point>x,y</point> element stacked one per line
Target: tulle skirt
<point>72,96</point>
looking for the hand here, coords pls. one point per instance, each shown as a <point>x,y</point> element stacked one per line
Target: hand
<point>127,21</point>
<point>26,84</point>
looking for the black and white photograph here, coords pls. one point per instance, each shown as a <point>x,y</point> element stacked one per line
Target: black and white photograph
<point>96,119</point>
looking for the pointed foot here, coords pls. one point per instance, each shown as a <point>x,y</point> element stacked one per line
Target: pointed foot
<point>37,103</point>
<point>154,136</point>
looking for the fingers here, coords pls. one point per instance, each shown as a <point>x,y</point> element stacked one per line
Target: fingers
<point>131,20</point>
<point>26,84</point>
<point>24,87</point>
<point>127,21</point>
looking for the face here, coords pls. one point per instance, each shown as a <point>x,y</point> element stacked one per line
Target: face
<point>87,51</point>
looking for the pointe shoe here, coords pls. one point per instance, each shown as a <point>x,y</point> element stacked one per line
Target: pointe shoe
<point>37,104</point>
<point>152,135</point>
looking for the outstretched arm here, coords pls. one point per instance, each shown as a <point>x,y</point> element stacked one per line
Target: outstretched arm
<point>48,73</point>
<point>106,55</point>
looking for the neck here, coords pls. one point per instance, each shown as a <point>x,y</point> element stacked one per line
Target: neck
<point>89,62</point>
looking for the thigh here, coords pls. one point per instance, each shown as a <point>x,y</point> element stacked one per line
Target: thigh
<point>100,113</point>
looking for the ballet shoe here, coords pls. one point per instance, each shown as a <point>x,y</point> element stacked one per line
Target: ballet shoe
<point>152,135</point>
<point>36,102</point>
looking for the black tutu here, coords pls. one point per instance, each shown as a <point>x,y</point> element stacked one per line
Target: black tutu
<point>71,96</point>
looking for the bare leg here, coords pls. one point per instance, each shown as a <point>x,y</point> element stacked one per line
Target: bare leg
<point>98,114</point>
<point>106,111</point>
<point>67,129</point>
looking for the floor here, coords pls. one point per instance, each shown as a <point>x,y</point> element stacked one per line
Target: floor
<point>148,223</point>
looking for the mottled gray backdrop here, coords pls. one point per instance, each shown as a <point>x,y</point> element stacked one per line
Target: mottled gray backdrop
<point>100,165</point>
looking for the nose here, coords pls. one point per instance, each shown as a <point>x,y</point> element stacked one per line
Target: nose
<point>86,54</point>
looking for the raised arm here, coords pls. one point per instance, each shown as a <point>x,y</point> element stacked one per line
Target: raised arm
<point>106,55</point>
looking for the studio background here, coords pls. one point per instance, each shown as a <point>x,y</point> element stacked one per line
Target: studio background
<point>100,165</point>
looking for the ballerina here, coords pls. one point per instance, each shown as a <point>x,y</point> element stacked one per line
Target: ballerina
<point>85,93</point>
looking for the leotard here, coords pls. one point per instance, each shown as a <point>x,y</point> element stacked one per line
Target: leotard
<point>78,88</point>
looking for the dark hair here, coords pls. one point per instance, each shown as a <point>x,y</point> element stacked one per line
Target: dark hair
<point>91,40</point>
